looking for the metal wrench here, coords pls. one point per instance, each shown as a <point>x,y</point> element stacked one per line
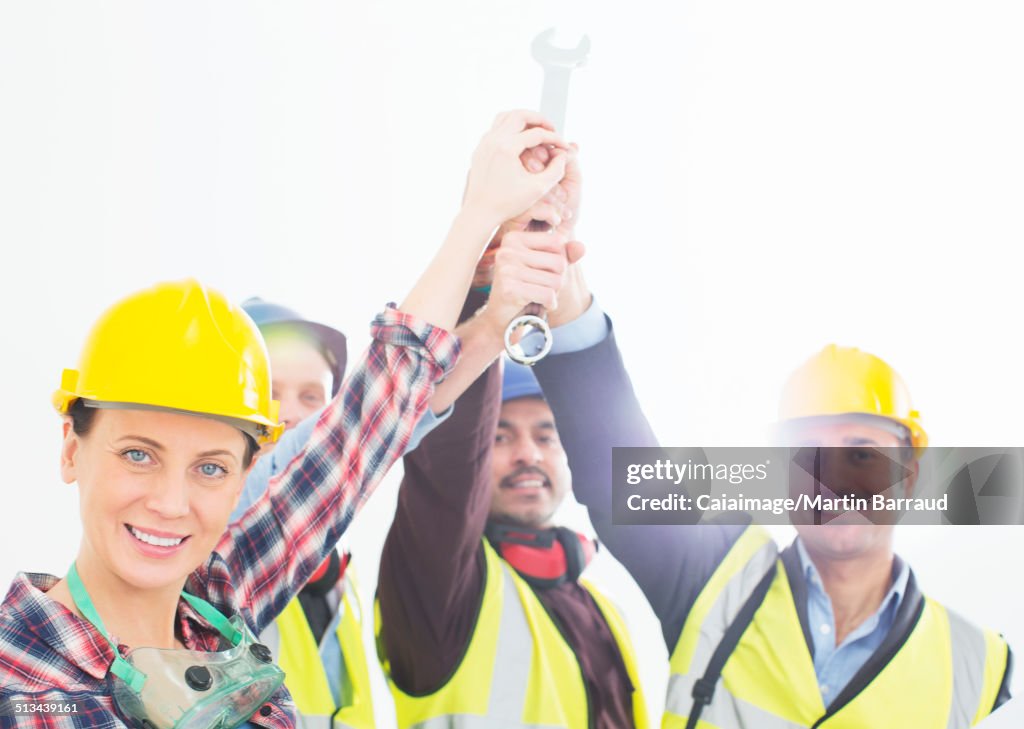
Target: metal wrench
<point>528,337</point>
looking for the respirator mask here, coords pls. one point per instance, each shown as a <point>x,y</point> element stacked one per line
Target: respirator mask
<point>156,688</point>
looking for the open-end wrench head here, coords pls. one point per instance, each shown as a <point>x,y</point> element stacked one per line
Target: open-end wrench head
<point>547,54</point>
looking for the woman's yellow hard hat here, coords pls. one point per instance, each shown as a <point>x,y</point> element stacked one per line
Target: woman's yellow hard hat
<point>177,346</point>
<point>846,381</point>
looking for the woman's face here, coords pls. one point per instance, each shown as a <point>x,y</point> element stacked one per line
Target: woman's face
<point>156,491</point>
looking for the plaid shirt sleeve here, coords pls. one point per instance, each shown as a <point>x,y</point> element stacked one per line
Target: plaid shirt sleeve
<point>265,557</point>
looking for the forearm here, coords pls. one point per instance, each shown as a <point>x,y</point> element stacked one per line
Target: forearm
<point>498,188</point>
<point>430,574</point>
<point>293,442</point>
<point>280,541</point>
<point>596,410</point>
<point>438,294</point>
<point>527,267</point>
<point>482,341</point>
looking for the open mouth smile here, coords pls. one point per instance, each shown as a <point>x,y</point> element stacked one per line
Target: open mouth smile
<point>156,542</point>
<point>528,480</point>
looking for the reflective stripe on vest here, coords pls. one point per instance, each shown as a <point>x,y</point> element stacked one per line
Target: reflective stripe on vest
<point>291,640</point>
<point>518,672</point>
<point>946,675</point>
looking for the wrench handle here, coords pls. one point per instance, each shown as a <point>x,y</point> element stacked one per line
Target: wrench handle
<point>528,337</point>
<point>554,95</point>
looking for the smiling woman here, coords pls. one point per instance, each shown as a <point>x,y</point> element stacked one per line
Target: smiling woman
<point>154,622</point>
<point>162,419</point>
<point>136,492</point>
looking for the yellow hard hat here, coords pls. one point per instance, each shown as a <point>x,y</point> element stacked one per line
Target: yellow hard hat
<point>844,381</point>
<point>177,346</point>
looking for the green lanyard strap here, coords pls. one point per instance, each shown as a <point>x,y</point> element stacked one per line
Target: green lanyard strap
<point>121,668</point>
<point>214,617</point>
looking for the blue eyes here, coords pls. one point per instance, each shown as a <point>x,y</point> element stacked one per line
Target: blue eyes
<point>139,457</point>
<point>212,470</point>
<point>135,455</point>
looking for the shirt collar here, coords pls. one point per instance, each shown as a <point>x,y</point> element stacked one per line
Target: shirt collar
<point>68,635</point>
<point>76,640</point>
<point>900,576</point>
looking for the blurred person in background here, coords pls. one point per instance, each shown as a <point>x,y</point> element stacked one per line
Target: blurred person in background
<point>317,639</point>
<point>833,632</point>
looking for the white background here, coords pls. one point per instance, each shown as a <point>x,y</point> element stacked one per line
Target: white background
<point>761,179</point>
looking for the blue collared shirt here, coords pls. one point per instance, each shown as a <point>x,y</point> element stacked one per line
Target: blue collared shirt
<point>585,331</point>
<point>836,665</point>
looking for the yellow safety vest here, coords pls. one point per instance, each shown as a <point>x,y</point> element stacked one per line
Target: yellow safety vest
<point>298,655</point>
<point>946,675</point>
<point>517,671</point>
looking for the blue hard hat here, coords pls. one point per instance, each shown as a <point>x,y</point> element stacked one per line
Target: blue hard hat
<point>268,316</point>
<point>519,381</point>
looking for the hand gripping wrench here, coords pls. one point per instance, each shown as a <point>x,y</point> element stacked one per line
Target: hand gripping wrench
<point>528,336</point>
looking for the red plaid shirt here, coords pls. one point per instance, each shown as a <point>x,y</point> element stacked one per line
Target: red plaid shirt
<point>50,656</point>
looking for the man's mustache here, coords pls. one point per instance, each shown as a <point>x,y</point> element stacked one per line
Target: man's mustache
<point>508,481</point>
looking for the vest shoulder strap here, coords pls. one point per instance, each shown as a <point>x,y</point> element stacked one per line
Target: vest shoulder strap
<point>704,689</point>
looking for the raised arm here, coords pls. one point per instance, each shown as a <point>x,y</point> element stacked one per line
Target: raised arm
<point>294,440</point>
<point>499,187</point>
<point>271,552</point>
<point>590,393</point>
<point>431,574</point>
<point>274,548</point>
<point>431,571</point>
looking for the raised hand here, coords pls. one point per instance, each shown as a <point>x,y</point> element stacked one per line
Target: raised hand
<point>559,207</point>
<point>500,186</point>
<point>529,267</point>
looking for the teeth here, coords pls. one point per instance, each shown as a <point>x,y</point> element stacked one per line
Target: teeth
<point>529,484</point>
<point>156,541</point>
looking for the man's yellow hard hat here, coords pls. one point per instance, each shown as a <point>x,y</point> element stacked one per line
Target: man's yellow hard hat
<point>177,346</point>
<point>846,381</point>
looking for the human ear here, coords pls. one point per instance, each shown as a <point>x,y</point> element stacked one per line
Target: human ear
<point>69,453</point>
